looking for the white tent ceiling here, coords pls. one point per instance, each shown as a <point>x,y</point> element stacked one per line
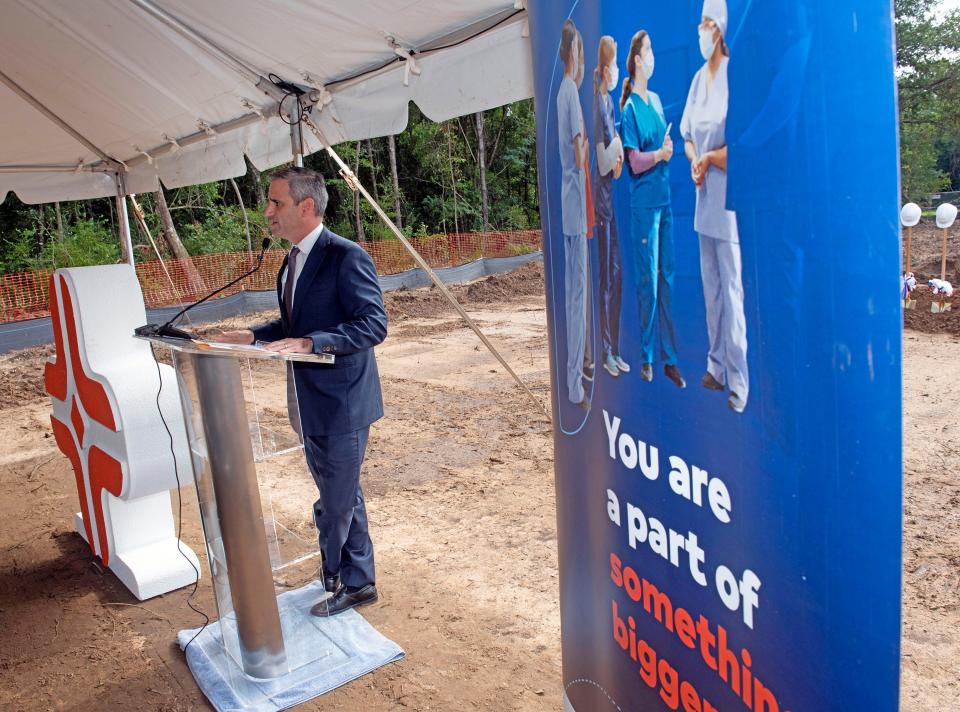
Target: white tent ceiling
<point>102,84</point>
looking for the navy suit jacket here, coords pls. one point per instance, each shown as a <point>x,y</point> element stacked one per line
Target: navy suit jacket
<point>339,306</point>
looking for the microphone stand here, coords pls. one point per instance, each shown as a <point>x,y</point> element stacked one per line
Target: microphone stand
<point>171,331</point>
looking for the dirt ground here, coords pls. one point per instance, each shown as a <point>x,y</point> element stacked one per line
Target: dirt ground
<point>925,262</point>
<point>926,250</point>
<point>459,486</point>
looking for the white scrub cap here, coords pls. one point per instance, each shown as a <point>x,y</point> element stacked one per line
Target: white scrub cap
<point>946,214</point>
<point>716,10</point>
<point>910,214</point>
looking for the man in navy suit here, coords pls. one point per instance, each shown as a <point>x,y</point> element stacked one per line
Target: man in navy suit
<point>330,302</point>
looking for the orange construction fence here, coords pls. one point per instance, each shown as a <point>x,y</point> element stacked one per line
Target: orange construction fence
<point>23,295</point>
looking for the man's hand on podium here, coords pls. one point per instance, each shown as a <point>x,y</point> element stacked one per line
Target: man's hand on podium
<point>291,346</point>
<point>245,336</point>
<point>239,336</point>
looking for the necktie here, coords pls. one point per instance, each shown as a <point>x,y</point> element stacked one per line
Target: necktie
<point>291,278</point>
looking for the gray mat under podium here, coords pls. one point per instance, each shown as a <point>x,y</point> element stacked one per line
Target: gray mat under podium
<point>342,648</point>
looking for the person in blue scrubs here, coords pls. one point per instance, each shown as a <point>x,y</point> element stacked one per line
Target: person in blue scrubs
<point>609,165</point>
<point>648,150</point>
<point>703,128</point>
<point>574,157</point>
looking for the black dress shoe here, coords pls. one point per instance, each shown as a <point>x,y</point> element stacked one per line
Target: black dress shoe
<point>344,599</point>
<point>331,583</point>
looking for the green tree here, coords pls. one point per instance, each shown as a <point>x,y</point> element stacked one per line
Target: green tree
<point>928,78</point>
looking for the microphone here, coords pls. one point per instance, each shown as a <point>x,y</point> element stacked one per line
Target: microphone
<point>170,330</point>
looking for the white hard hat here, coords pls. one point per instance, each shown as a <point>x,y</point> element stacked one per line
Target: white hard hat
<point>946,214</point>
<point>910,214</point>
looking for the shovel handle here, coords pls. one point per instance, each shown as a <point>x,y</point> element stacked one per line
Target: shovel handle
<point>943,258</point>
<point>909,247</point>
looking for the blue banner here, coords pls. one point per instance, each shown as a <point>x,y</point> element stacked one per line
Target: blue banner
<point>719,198</point>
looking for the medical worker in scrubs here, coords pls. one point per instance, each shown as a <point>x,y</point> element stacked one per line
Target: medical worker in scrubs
<point>703,127</point>
<point>588,364</point>
<point>609,165</point>
<point>572,145</point>
<point>648,149</point>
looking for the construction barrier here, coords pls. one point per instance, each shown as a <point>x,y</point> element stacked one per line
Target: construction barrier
<point>23,295</point>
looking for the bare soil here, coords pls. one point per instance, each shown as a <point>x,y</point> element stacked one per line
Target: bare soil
<point>459,486</point>
<point>930,665</point>
<point>920,318</point>
<point>925,262</point>
<point>926,251</point>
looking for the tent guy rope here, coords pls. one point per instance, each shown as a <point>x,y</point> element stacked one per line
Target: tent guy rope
<point>355,184</point>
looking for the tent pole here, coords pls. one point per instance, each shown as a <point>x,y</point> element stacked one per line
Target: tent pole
<point>351,179</point>
<point>296,141</point>
<point>126,244</point>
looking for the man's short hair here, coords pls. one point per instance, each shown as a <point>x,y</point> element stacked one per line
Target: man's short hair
<point>305,183</point>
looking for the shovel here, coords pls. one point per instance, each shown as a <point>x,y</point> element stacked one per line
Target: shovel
<point>940,306</point>
<point>909,303</point>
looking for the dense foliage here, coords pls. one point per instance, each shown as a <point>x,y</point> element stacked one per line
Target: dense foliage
<point>928,78</point>
<point>439,191</point>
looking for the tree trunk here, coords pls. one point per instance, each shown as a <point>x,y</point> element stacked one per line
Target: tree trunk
<point>482,163</point>
<point>398,218</point>
<point>453,181</point>
<point>42,220</point>
<point>56,207</point>
<point>140,220</point>
<point>172,239</point>
<point>257,184</point>
<point>243,211</point>
<point>526,181</point>
<point>373,171</point>
<point>169,231</point>
<point>504,115</point>
<point>356,199</point>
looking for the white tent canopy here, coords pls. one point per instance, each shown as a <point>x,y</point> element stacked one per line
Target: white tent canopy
<point>168,89</point>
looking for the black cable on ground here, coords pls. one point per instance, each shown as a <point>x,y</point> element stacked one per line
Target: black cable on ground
<point>176,474</point>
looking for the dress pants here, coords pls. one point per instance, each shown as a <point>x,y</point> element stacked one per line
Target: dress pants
<point>339,512</point>
<point>726,324</point>
<point>652,237</point>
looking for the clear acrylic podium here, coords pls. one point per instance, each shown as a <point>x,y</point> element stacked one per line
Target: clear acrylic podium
<point>233,431</point>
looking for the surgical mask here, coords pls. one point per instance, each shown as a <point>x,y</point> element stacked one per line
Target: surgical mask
<point>646,65</point>
<point>707,44</point>
<point>614,72</point>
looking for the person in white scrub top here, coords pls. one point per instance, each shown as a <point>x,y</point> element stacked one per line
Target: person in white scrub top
<point>703,128</point>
